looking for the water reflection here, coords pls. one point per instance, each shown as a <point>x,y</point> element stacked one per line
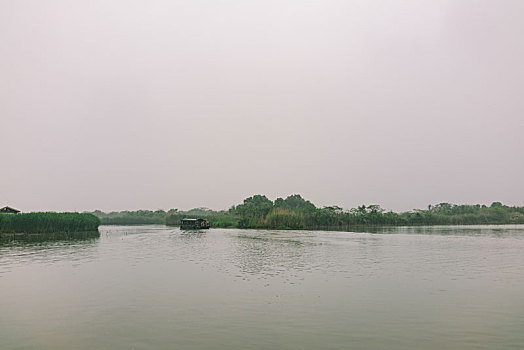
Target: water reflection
<point>271,253</point>
<point>9,238</point>
<point>18,250</point>
<point>156,287</point>
<point>191,235</point>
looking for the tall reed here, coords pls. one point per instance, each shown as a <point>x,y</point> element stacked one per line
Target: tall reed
<point>48,222</point>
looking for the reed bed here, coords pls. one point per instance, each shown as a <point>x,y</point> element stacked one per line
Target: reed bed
<point>48,222</point>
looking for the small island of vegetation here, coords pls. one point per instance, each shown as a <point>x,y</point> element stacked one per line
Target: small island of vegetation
<point>53,225</point>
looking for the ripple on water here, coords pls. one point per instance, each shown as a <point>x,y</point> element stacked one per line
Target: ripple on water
<point>160,287</point>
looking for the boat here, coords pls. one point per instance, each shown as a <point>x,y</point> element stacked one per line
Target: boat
<point>194,224</point>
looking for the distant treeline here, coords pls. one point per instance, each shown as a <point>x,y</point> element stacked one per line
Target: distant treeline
<point>148,217</point>
<point>294,212</point>
<point>138,217</point>
<point>48,223</point>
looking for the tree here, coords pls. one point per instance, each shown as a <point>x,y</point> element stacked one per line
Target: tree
<point>255,206</point>
<point>280,203</point>
<point>296,201</point>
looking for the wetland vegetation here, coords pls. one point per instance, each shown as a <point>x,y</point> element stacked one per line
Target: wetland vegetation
<point>295,212</point>
<point>47,223</point>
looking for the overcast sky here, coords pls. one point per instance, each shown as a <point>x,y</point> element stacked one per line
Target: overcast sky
<point>125,104</point>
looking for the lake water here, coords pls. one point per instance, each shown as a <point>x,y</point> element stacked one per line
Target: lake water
<point>156,287</point>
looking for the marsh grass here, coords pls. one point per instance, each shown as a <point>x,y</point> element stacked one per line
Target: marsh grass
<point>48,222</point>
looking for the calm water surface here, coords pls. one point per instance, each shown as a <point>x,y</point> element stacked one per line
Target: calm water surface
<point>154,287</point>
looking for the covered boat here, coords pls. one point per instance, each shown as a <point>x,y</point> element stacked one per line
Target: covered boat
<point>194,224</point>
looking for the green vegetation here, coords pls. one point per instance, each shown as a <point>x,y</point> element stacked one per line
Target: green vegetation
<point>48,223</point>
<point>294,212</point>
<point>139,217</point>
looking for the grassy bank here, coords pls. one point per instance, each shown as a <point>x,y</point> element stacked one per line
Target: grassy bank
<point>48,223</point>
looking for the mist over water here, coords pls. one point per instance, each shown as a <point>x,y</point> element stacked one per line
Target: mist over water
<point>147,287</point>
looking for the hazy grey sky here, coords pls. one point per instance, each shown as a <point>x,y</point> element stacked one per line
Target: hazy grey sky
<point>178,104</point>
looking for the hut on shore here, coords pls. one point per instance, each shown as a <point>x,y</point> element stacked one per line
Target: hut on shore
<point>9,210</point>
